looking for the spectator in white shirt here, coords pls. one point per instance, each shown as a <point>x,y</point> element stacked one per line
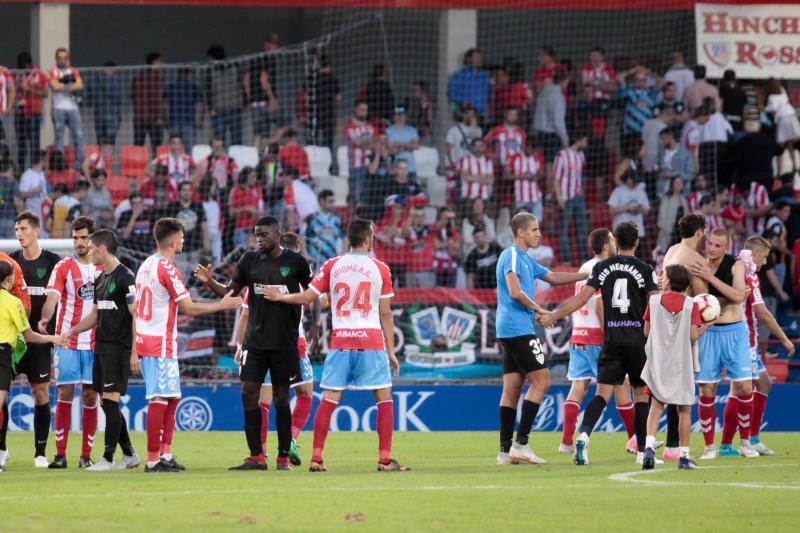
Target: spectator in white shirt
<point>679,74</point>
<point>33,184</point>
<point>715,137</point>
<point>628,202</point>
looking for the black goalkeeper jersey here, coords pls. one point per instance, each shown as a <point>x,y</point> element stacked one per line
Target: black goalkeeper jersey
<point>113,293</point>
<point>36,273</point>
<point>625,283</point>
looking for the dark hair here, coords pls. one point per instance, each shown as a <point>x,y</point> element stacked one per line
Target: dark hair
<point>469,53</point>
<point>61,188</point>
<point>597,239</point>
<point>699,72</point>
<point>152,57</point>
<point>422,84</point>
<point>729,75</point>
<point>30,216</point>
<point>37,156</point>
<point>479,228</point>
<point>135,194</point>
<point>668,131</point>
<point>273,148</point>
<point>324,194</point>
<point>598,49</point>
<point>57,161</point>
<point>268,220</point>
<point>631,148</point>
<point>521,221</point>
<point>689,224</point>
<point>295,174</point>
<point>548,50</point>
<point>290,240</point>
<point>358,231</point>
<point>216,52</point>
<point>290,133</point>
<point>626,234</point>
<point>96,173</point>
<point>205,188</point>
<point>702,111</point>
<point>162,170</point>
<point>705,200</point>
<point>560,76</point>
<point>243,174</point>
<point>378,70</point>
<point>83,222</point>
<point>24,60</point>
<point>61,49</point>
<point>107,238</point>
<point>81,185</point>
<point>5,270</point>
<point>184,183</point>
<point>679,277</point>
<point>166,227</point>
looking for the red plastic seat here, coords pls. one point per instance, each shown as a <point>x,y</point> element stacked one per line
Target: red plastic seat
<point>119,187</point>
<point>133,160</point>
<point>69,154</point>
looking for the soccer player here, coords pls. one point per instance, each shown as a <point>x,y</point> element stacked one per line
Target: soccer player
<point>523,357</point>
<point>270,343</point>
<point>625,283</point>
<point>672,322</point>
<point>726,344</point>
<point>754,256</point>
<point>304,389</point>
<point>361,355</point>
<point>692,230</point>
<point>112,314</point>
<point>13,322</point>
<point>587,340</point>
<point>160,293</point>
<point>36,266</point>
<point>71,289</point>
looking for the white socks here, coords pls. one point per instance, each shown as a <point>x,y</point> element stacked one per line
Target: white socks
<point>684,451</point>
<point>650,441</point>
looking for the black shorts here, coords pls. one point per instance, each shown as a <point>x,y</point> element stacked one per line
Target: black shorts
<point>37,363</point>
<point>283,366</point>
<point>5,367</point>
<point>617,360</point>
<point>111,369</point>
<point>522,355</point>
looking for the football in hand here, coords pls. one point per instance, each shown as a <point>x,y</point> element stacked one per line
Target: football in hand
<point>709,307</point>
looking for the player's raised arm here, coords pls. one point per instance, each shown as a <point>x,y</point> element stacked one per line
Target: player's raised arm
<point>204,274</point>
<point>228,301</point>
<point>763,314</point>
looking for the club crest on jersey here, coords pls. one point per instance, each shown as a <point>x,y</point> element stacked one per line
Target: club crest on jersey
<point>41,272</point>
<point>285,271</point>
<point>112,286</point>
<point>86,291</point>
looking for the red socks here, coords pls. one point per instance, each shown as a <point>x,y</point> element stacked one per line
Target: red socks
<point>730,419</point>
<point>759,406</point>
<point>707,412</point>
<point>625,412</point>
<point>155,419</point>
<point>63,423</point>
<point>300,414</point>
<point>168,426</point>
<point>745,413</point>
<point>89,423</point>
<point>322,422</point>
<point>385,428</point>
<point>264,424</point>
<point>571,410</point>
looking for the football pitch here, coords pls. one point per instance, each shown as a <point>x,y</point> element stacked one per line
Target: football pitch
<point>454,485</point>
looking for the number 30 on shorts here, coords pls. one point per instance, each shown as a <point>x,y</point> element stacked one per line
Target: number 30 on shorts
<point>536,350</point>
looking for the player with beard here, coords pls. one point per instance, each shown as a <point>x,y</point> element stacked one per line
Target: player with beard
<point>270,343</point>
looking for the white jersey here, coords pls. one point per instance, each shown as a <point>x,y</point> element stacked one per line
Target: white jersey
<point>73,282</point>
<point>356,283</point>
<point>585,322</point>
<point>159,288</point>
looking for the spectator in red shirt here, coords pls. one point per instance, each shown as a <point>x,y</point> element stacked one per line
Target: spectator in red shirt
<point>246,204</point>
<point>7,97</point>
<point>421,251</point>
<point>58,172</point>
<point>293,155</point>
<point>159,191</point>
<point>220,166</point>
<point>599,74</point>
<point>147,93</point>
<point>180,166</point>
<point>390,242</point>
<point>31,86</point>
<point>548,66</point>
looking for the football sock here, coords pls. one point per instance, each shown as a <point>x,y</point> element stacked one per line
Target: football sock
<point>89,423</point>
<point>41,427</point>
<point>571,410</point>
<point>322,421</point>
<point>593,412</point>
<point>759,406</point>
<point>730,419</point>
<point>155,418</point>
<point>124,438</point>
<point>673,439</point>
<point>745,413</point>
<point>650,441</point>
<point>529,411</point>
<point>168,427</point>
<point>684,451</point>
<point>640,412</point>
<point>283,424</point>
<point>63,423</point>
<point>252,431</point>
<point>3,418</point>
<point>113,424</point>
<point>264,424</point>
<point>300,414</point>
<point>385,425</point>
<point>4,426</point>
<point>707,413</point>
<point>508,417</point>
<point>625,412</point>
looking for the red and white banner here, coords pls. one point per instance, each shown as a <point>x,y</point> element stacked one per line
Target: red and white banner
<point>756,41</point>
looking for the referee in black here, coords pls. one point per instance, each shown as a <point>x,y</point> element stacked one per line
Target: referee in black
<point>270,342</point>
<point>112,313</point>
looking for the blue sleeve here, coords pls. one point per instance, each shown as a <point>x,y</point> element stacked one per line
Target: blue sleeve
<point>538,270</point>
<point>504,264</point>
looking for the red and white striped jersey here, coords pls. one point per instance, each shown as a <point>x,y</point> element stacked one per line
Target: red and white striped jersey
<point>473,165</point>
<point>96,160</point>
<point>159,288</point>
<point>356,283</point>
<point>73,282</point>
<point>505,141</point>
<point>568,172</point>
<point>180,168</point>
<point>714,222</point>
<point>6,83</point>
<point>353,131</point>
<point>693,201</point>
<point>301,331</point>
<point>525,169</point>
<point>585,322</point>
<point>755,199</point>
<point>604,73</point>
<point>753,299</point>
<point>64,99</point>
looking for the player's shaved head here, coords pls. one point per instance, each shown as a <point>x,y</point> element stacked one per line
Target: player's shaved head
<point>268,221</point>
<point>722,234</point>
<point>166,228</point>
<point>521,221</point>
<point>358,232</point>
<point>679,278</point>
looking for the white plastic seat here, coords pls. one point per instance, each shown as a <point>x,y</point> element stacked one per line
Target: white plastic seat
<point>343,160</point>
<point>200,152</point>
<point>245,156</point>
<point>427,160</point>
<point>319,160</point>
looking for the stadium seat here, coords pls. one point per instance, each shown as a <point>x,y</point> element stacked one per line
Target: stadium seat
<point>133,160</point>
<point>119,187</point>
<point>245,156</point>
<point>162,150</point>
<point>427,160</point>
<point>340,188</point>
<point>319,160</point>
<point>436,189</point>
<point>778,369</point>
<point>90,149</point>
<point>200,152</point>
<point>343,161</point>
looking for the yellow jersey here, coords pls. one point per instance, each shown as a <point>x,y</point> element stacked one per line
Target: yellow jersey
<point>13,319</point>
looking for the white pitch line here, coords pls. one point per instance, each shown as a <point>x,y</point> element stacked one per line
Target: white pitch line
<point>628,477</point>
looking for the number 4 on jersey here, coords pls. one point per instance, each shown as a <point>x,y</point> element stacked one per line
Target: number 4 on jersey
<point>361,300</point>
<point>619,297</point>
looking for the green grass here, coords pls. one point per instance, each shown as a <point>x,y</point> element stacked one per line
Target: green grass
<point>454,485</point>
